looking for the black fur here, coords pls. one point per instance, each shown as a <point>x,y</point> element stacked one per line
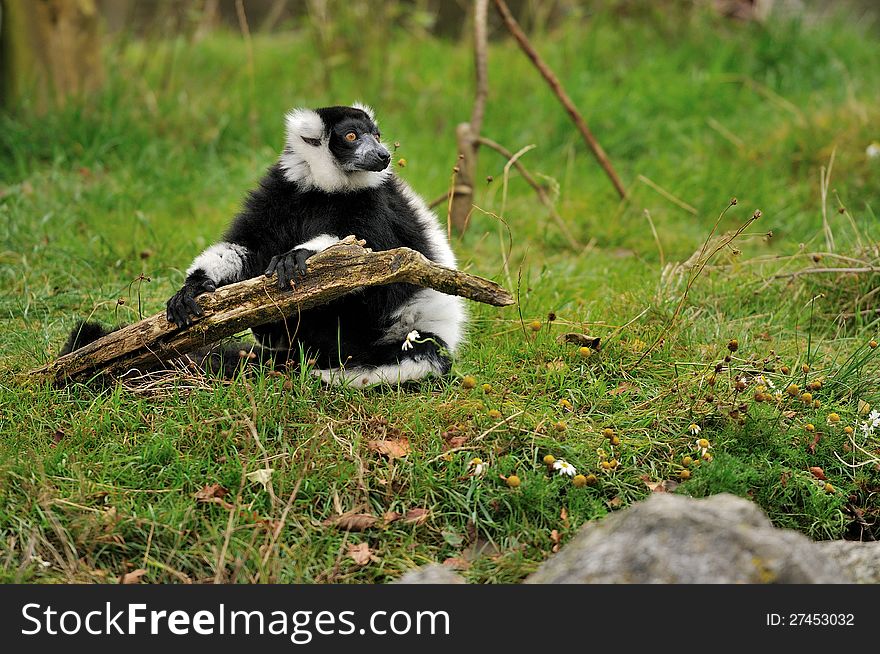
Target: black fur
<point>280,215</point>
<point>277,216</point>
<point>83,334</point>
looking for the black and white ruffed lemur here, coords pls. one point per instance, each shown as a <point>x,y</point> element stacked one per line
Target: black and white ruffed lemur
<point>333,179</point>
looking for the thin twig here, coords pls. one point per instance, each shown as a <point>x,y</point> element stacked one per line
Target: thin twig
<point>538,188</point>
<point>666,194</point>
<point>515,30</point>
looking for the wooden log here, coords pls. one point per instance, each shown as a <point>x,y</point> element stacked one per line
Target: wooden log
<point>341,269</point>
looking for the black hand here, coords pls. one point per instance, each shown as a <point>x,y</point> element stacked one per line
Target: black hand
<point>289,265</point>
<point>182,307</point>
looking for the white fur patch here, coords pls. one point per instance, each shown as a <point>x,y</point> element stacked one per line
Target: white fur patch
<point>367,109</point>
<point>408,370</point>
<point>222,262</point>
<point>427,219</point>
<point>319,243</point>
<point>430,311</point>
<point>315,167</point>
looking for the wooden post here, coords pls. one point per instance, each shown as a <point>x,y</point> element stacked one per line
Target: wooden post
<point>49,50</point>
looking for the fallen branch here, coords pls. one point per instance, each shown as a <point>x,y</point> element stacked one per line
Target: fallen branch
<point>524,44</point>
<point>339,270</point>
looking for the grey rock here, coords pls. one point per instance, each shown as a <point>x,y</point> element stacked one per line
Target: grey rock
<point>431,574</point>
<point>860,561</point>
<point>673,539</point>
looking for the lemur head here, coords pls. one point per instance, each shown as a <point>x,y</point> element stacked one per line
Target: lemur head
<point>334,149</point>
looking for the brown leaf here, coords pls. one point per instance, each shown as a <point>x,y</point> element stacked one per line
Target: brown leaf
<point>457,563</point>
<point>563,515</point>
<point>812,446</point>
<point>615,502</point>
<point>361,553</point>
<point>664,486</point>
<point>392,448</point>
<point>57,437</point>
<point>391,516</point>
<point>554,538</point>
<point>623,388</point>
<point>818,473</point>
<point>416,516</point>
<point>455,441</point>
<point>133,577</point>
<point>352,521</point>
<point>209,492</point>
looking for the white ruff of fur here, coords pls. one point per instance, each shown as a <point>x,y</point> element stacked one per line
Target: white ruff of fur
<point>314,167</point>
<point>407,370</point>
<point>221,262</point>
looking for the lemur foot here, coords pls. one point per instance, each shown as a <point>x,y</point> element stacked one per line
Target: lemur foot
<point>182,307</point>
<point>289,266</point>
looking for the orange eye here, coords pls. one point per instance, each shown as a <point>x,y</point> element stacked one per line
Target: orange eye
<point>351,136</point>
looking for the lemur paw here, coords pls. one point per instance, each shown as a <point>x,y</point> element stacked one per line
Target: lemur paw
<point>289,266</point>
<point>182,307</point>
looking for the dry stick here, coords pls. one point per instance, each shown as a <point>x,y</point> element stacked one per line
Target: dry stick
<point>514,28</point>
<point>538,188</point>
<point>824,181</point>
<point>341,269</point>
<point>461,201</point>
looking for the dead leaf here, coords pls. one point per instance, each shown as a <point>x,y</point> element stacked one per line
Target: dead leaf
<point>457,563</point>
<point>664,486</point>
<point>615,502</point>
<point>416,516</point>
<point>133,577</point>
<point>57,437</point>
<point>554,538</point>
<point>392,448</point>
<point>812,446</point>
<point>864,407</point>
<point>818,473</point>
<point>563,515</point>
<point>352,521</point>
<point>262,476</point>
<point>455,441</point>
<point>623,388</point>
<point>391,516</point>
<point>361,553</point>
<point>210,491</point>
<point>480,547</point>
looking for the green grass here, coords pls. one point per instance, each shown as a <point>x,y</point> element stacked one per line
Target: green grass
<point>138,179</point>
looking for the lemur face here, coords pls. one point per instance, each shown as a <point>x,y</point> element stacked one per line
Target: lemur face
<point>353,139</point>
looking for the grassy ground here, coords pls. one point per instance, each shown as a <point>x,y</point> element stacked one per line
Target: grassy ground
<point>137,180</point>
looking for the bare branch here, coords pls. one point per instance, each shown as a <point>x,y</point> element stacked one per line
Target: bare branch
<point>514,28</point>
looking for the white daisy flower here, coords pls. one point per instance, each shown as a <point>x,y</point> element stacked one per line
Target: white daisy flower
<point>761,380</point>
<point>703,445</point>
<point>695,428</point>
<point>479,467</point>
<point>410,339</point>
<point>564,467</point>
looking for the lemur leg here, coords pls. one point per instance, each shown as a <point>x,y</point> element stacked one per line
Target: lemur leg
<point>389,363</point>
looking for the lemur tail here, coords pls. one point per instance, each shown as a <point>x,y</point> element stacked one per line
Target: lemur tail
<point>83,334</point>
<point>224,359</point>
